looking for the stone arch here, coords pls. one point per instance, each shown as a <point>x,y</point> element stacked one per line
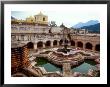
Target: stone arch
<point>97,47</point>
<point>30,45</point>
<point>48,44</point>
<point>72,43</point>
<point>88,46</point>
<point>40,44</point>
<point>55,43</point>
<point>60,42</point>
<point>80,44</point>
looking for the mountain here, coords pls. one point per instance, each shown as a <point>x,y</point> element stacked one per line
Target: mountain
<point>12,17</point>
<point>80,24</point>
<point>92,28</point>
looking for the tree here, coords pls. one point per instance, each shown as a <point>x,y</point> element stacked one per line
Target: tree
<point>52,24</point>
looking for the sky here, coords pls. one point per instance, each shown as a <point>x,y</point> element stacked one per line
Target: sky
<point>68,14</point>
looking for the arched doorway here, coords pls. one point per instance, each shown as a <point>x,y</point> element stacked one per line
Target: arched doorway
<point>40,44</point>
<point>47,44</point>
<point>72,43</point>
<point>55,43</point>
<point>80,44</point>
<point>60,42</point>
<point>30,45</point>
<point>97,47</point>
<point>89,46</point>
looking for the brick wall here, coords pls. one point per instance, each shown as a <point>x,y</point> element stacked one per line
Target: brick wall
<point>19,59</point>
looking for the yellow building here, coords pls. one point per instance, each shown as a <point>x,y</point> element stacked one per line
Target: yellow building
<point>30,19</point>
<point>38,19</point>
<point>41,19</point>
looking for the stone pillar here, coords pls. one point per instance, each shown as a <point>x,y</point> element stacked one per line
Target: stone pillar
<point>58,43</point>
<point>67,70</point>
<point>93,47</point>
<point>84,46</point>
<point>29,38</point>
<point>43,45</point>
<point>35,46</point>
<point>18,37</point>
<point>51,45</point>
<point>75,44</point>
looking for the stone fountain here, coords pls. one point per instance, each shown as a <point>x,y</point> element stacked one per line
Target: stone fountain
<point>65,48</point>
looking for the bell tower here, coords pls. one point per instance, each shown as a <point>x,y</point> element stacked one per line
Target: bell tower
<point>41,19</point>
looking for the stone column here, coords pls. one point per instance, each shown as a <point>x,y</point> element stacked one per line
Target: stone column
<point>75,44</point>
<point>28,38</point>
<point>67,69</point>
<point>51,45</point>
<point>93,47</point>
<point>35,46</point>
<point>16,37</point>
<point>84,47</point>
<point>43,45</point>
<point>19,37</point>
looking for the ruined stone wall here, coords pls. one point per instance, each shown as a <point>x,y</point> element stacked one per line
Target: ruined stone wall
<point>19,59</point>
